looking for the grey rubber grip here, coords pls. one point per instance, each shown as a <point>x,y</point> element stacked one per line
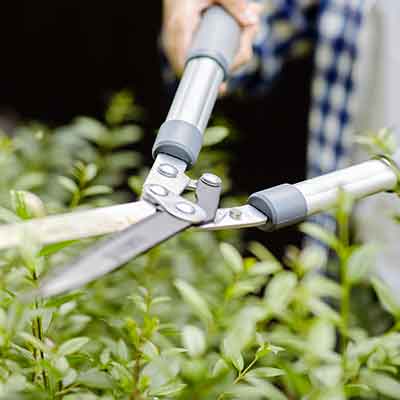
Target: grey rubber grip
<point>218,38</point>
<point>283,205</point>
<point>179,139</point>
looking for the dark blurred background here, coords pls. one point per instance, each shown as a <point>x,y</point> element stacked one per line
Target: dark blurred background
<point>63,58</point>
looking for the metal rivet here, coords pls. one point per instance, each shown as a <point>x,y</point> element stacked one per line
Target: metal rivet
<point>211,180</point>
<point>158,190</point>
<point>168,170</point>
<point>186,208</point>
<point>235,213</point>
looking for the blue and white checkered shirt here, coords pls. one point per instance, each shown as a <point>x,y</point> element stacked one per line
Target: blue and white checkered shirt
<point>289,30</point>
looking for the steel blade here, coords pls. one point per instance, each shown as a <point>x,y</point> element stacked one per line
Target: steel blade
<point>112,253</point>
<point>75,225</point>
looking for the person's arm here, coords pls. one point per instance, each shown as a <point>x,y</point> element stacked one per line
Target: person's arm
<point>284,29</point>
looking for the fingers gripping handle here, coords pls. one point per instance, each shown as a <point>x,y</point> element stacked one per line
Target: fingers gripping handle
<point>214,47</point>
<point>217,38</point>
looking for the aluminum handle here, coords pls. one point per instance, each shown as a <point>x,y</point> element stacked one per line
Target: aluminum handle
<point>287,204</point>
<point>209,59</point>
<point>360,180</point>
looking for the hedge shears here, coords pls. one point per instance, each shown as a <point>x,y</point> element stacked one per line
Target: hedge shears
<point>162,211</point>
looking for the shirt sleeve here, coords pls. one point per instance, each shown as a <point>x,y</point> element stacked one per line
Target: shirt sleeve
<point>288,30</point>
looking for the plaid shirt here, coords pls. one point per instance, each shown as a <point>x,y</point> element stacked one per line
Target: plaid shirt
<point>291,28</point>
<point>288,30</point>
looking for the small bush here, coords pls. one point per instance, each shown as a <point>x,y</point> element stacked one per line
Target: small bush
<point>192,318</point>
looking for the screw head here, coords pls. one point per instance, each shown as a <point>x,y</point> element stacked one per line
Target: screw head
<point>186,208</point>
<point>211,180</point>
<point>159,190</point>
<point>168,170</point>
<point>235,213</point>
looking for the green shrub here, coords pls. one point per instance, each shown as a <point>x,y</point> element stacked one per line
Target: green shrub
<point>193,318</point>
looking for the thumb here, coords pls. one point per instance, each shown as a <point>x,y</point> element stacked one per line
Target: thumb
<point>241,10</point>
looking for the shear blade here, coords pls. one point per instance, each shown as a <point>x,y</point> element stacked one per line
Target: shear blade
<point>112,253</point>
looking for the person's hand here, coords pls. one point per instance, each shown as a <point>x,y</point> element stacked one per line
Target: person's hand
<point>181,20</point>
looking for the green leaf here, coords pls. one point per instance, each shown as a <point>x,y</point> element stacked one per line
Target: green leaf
<point>356,390</point>
<point>55,248</point>
<point>360,262</point>
<point>323,310</point>
<point>25,353</point>
<point>90,172</point>
<point>122,350</point>
<point>26,205</point>
<point>386,298</point>
<point>265,372</point>
<point>263,254</point>
<point>220,368</point>
<point>96,190</point>
<point>173,351</point>
<point>89,128</point>
<point>150,350</point>
<point>72,346</point>
<point>265,389</point>
<point>168,389</point>
<point>381,142</point>
<point>8,216</point>
<point>312,257</point>
<point>232,257</point>
<point>275,349</point>
<point>34,342</point>
<point>241,333</point>
<point>68,184</point>
<point>136,184</point>
<point>382,383</point>
<point>321,286</point>
<point>215,135</point>
<point>122,108</point>
<point>243,391</point>
<point>243,329</point>
<point>194,340</point>
<point>321,234</point>
<point>96,379</point>
<point>193,298</point>
<point>126,134</point>
<point>30,180</point>
<point>69,378</point>
<point>280,290</point>
<point>322,336</point>
<point>328,375</point>
<point>244,287</point>
<point>231,351</point>
<point>264,268</point>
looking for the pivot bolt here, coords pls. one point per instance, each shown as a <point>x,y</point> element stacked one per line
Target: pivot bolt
<point>158,190</point>
<point>168,170</point>
<point>235,214</point>
<point>211,180</point>
<point>186,208</point>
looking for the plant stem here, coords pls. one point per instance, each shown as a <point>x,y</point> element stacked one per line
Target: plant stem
<point>136,395</point>
<point>343,227</point>
<point>345,312</point>
<point>76,198</point>
<point>245,371</point>
<point>37,331</point>
<point>240,376</point>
